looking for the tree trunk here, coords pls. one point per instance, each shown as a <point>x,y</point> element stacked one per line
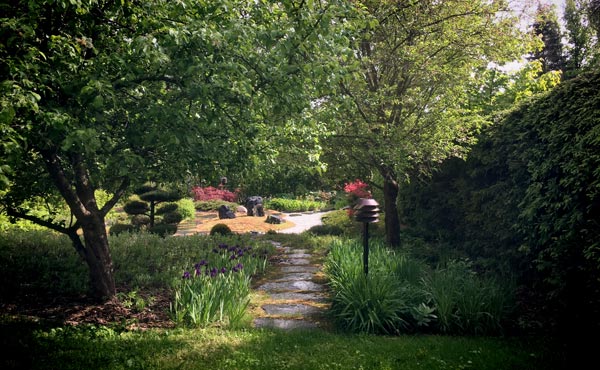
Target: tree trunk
<point>97,256</point>
<point>152,213</point>
<point>78,192</point>
<point>392,220</point>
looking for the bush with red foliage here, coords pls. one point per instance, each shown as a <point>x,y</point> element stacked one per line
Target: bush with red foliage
<point>212,193</point>
<point>357,189</point>
<point>354,191</point>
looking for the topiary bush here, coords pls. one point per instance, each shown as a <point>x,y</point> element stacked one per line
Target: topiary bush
<point>140,221</point>
<point>171,218</point>
<point>122,228</point>
<point>220,229</point>
<point>167,208</point>
<point>163,230</point>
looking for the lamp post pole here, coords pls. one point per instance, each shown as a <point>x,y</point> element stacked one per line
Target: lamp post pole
<point>366,212</point>
<point>366,247</point>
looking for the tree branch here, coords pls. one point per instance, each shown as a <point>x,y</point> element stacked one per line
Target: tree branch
<point>12,212</point>
<point>116,196</point>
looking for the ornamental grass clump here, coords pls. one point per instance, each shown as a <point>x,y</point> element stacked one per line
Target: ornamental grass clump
<point>403,294</point>
<point>386,301</point>
<point>467,303</point>
<point>216,290</point>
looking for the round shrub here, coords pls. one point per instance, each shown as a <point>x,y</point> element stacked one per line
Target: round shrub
<point>167,208</point>
<point>121,228</point>
<point>172,218</point>
<point>221,229</point>
<point>163,229</point>
<point>136,207</point>
<point>140,220</point>
<point>186,208</point>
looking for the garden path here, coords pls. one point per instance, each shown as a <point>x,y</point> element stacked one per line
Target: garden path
<point>296,297</point>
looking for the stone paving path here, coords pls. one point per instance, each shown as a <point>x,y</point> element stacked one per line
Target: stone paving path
<point>296,298</point>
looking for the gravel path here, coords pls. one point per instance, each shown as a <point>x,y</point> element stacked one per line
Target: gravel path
<point>302,221</point>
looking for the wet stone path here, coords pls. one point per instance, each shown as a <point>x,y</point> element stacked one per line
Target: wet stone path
<point>295,298</point>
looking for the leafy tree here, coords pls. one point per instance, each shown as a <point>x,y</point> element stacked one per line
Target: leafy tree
<point>546,27</point>
<point>102,94</point>
<point>406,109</point>
<point>593,11</point>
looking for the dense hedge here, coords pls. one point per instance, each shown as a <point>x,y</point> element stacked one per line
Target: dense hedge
<point>527,201</point>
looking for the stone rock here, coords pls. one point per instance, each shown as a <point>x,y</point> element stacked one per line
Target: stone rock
<point>242,209</point>
<point>272,219</point>
<point>285,324</point>
<point>254,205</point>
<point>225,212</point>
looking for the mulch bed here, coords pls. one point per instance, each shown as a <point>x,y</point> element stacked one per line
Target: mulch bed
<point>76,310</point>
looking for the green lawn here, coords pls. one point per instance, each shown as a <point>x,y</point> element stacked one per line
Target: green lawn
<point>29,347</point>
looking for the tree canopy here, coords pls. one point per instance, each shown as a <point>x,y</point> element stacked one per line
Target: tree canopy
<point>102,93</point>
<point>407,106</point>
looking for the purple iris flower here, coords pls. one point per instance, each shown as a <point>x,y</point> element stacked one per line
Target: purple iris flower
<point>186,275</point>
<point>223,270</point>
<point>200,264</point>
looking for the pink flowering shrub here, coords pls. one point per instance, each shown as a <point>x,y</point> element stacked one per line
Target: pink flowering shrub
<point>212,193</point>
<point>357,189</point>
<point>354,191</point>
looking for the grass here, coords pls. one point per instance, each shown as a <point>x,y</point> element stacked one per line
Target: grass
<point>214,348</point>
<point>147,260</point>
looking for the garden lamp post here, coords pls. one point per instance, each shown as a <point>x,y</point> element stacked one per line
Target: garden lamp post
<point>367,213</point>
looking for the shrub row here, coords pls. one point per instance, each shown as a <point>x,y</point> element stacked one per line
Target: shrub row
<point>294,205</point>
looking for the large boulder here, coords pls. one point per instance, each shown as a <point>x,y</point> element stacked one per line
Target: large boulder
<point>254,206</point>
<point>225,212</point>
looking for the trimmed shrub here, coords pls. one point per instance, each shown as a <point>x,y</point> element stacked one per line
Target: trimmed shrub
<point>163,229</point>
<point>167,208</point>
<point>220,229</point>
<point>140,220</point>
<point>171,218</point>
<point>136,207</point>
<point>122,228</point>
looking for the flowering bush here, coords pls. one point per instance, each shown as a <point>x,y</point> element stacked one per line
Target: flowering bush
<point>357,189</point>
<point>212,193</point>
<point>354,191</point>
<point>216,289</point>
